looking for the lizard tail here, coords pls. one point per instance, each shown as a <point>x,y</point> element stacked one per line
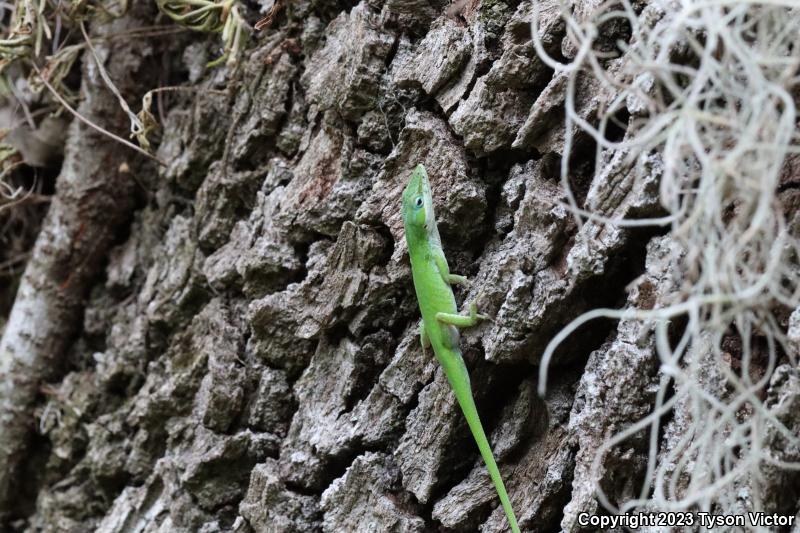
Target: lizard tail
<point>459,381</point>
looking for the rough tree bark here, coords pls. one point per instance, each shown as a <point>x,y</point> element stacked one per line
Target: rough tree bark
<point>238,351</point>
<point>93,203</point>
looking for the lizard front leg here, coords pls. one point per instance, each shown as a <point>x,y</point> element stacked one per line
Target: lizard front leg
<point>444,271</point>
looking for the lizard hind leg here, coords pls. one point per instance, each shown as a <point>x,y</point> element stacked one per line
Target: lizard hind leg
<point>461,321</point>
<point>424,340</point>
<point>473,311</point>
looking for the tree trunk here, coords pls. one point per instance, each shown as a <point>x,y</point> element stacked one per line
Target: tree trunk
<point>230,343</point>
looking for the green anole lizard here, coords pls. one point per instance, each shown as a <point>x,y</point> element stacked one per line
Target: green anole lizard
<point>440,318</point>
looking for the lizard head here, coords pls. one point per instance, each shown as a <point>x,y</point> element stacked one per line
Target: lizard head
<point>417,202</point>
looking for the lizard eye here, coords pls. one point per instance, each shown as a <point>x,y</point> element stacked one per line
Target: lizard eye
<point>418,202</point>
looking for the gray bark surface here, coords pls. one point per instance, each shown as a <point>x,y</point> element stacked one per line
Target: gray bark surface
<point>238,351</point>
<point>95,199</point>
